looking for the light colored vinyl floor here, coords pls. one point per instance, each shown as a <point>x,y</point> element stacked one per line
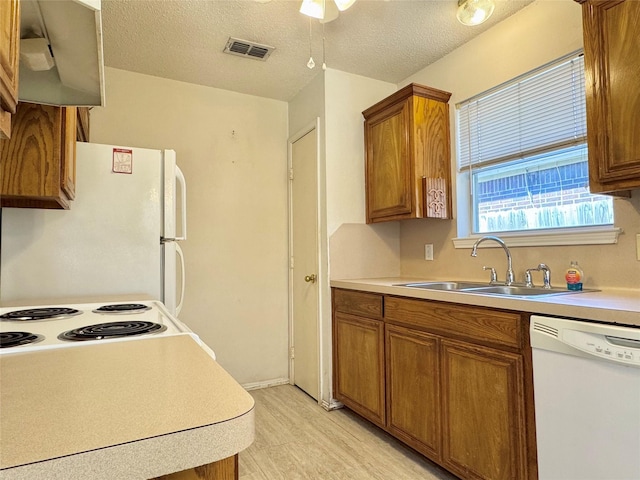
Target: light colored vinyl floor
<point>297,439</point>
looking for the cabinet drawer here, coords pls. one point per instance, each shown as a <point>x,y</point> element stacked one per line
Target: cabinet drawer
<point>468,323</point>
<point>358,303</point>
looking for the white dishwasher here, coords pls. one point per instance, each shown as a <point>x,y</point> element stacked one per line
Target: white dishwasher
<point>586,379</point>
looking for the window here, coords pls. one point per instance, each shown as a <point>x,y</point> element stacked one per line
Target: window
<point>522,152</point>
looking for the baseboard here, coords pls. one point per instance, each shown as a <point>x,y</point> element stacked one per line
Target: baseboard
<point>332,404</point>
<point>265,384</point>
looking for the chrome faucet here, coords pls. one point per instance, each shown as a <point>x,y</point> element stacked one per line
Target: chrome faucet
<point>494,275</point>
<point>474,253</point>
<point>546,276</point>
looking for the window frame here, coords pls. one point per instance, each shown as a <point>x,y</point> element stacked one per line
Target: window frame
<point>584,235</point>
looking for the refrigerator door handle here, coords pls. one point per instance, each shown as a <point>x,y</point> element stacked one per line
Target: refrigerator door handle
<point>182,278</point>
<point>183,214</point>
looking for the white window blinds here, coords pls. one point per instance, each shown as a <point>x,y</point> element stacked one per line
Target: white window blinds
<point>538,112</point>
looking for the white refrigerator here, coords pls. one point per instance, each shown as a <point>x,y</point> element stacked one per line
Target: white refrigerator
<point>119,237</point>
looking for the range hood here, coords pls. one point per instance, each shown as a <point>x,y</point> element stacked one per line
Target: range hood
<point>65,66</point>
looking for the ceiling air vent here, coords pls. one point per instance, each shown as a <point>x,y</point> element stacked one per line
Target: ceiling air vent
<point>244,48</point>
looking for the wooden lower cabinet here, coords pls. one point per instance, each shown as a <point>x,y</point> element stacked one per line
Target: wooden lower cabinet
<point>359,365</point>
<point>456,384</point>
<point>225,469</point>
<point>483,412</point>
<point>413,388</point>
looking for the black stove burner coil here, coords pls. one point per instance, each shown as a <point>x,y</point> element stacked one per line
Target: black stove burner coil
<point>123,308</point>
<point>40,314</point>
<point>15,339</point>
<point>103,331</point>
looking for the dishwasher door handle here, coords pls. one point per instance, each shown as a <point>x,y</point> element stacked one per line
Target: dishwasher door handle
<point>623,342</point>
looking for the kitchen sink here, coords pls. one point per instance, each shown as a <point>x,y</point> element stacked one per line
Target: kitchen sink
<point>520,291</point>
<point>444,285</point>
<point>485,289</point>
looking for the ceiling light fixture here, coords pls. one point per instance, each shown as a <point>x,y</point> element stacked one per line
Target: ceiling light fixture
<point>324,10</point>
<point>474,12</point>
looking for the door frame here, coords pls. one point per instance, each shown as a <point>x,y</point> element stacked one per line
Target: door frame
<point>315,125</point>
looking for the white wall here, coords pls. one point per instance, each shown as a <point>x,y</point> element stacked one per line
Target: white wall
<point>338,99</point>
<point>539,33</point>
<point>232,150</point>
<point>347,96</point>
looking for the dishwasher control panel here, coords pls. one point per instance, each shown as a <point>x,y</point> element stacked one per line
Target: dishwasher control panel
<point>603,346</point>
<point>612,343</point>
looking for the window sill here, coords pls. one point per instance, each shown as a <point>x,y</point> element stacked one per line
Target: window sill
<point>548,238</point>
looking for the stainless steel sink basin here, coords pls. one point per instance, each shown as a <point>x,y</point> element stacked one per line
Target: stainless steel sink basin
<point>518,291</point>
<point>457,286</point>
<point>485,289</point>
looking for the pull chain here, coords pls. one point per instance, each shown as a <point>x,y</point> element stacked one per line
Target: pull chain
<point>310,63</point>
<point>324,64</point>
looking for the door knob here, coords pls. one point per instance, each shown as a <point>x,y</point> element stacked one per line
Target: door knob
<point>310,278</point>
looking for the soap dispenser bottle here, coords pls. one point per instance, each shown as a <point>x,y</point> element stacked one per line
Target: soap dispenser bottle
<point>574,276</point>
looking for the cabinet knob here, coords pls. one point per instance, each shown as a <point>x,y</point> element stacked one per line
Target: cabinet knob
<point>310,278</point>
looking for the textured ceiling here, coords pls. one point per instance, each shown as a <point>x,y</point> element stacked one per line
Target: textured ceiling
<point>184,39</point>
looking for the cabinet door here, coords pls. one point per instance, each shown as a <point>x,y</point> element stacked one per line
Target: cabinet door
<point>226,469</point>
<point>37,165</point>
<point>413,389</point>
<point>483,412</point>
<point>358,346</point>
<point>68,160</point>
<point>389,170</point>
<point>83,124</point>
<point>432,155</point>
<point>612,63</point>
<point>9,56</point>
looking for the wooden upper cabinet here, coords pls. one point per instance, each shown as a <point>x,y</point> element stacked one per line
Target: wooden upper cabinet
<point>68,154</point>
<point>408,155</point>
<point>37,168</point>
<point>83,124</point>
<point>9,58</point>
<point>612,65</point>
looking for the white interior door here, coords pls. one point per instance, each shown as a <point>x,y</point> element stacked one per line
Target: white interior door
<point>304,271</point>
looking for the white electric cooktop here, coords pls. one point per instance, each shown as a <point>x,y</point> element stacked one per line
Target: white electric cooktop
<point>29,328</point>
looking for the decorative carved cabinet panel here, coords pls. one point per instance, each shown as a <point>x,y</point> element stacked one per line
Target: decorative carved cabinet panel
<point>9,57</point>
<point>611,31</point>
<point>408,155</point>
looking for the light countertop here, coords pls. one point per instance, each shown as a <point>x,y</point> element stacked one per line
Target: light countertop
<point>135,409</point>
<point>616,306</point>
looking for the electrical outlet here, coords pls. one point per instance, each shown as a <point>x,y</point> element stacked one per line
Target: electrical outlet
<point>638,246</point>
<point>428,251</point>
